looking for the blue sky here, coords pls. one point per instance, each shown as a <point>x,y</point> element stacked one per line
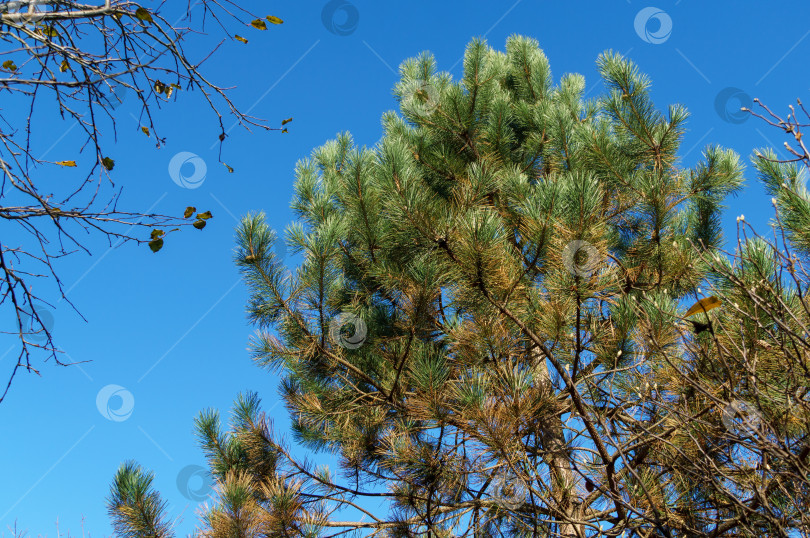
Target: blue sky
<point>166,333</point>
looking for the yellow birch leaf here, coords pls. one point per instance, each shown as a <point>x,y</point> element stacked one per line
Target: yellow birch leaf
<point>704,305</point>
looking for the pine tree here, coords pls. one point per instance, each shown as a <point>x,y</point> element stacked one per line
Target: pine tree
<point>491,326</point>
<point>137,510</point>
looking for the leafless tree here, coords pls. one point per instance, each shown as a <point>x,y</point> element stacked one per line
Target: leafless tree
<point>73,62</point>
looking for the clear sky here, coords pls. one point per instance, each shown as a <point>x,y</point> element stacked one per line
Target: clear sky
<point>165,334</point>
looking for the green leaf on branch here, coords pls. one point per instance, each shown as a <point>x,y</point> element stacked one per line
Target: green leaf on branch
<point>205,216</point>
<point>285,122</point>
<point>157,233</point>
<point>200,224</point>
<point>189,211</point>
<point>274,20</point>
<point>108,163</point>
<point>143,14</point>
<point>10,65</point>
<point>259,24</point>
<point>240,38</point>
<point>156,244</point>
<point>48,31</point>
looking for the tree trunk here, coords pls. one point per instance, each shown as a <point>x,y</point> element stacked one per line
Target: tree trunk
<point>555,455</point>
